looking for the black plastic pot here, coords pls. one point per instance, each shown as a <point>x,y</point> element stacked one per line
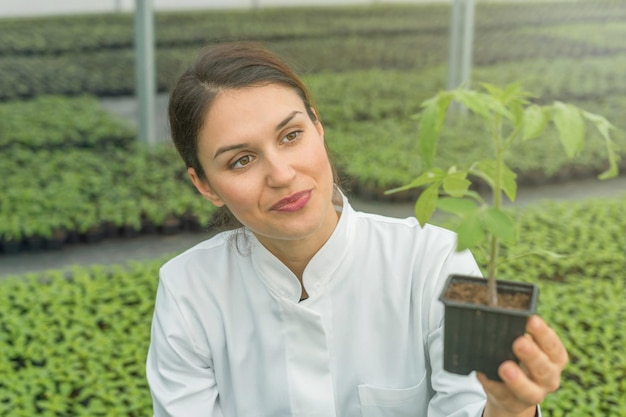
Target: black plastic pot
<point>479,337</point>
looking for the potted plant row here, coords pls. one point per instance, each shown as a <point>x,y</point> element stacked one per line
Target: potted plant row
<point>126,192</point>
<point>484,316</point>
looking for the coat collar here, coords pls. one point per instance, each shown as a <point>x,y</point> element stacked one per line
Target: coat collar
<point>281,282</point>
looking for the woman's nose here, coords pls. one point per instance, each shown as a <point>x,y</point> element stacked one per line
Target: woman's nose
<point>280,171</point>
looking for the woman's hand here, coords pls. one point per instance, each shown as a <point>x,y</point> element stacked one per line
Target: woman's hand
<point>542,357</point>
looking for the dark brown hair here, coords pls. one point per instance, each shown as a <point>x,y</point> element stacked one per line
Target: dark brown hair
<point>225,66</point>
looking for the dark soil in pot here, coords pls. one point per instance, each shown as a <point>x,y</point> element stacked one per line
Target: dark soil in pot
<point>478,337</point>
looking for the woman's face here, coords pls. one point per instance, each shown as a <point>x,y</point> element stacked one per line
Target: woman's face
<point>265,159</point>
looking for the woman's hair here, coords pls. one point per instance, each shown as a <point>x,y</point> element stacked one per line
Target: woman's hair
<point>218,68</point>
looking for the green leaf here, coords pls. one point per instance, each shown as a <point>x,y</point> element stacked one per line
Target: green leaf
<point>426,203</point>
<point>499,224</point>
<point>535,121</point>
<point>431,120</point>
<point>601,123</point>
<point>481,104</point>
<point>484,171</point>
<point>515,93</point>
<point>428,177</point>
<point>487,170</point>
<point>513,96</point>
<point>613,169</point>
<point>604,127</point>
<point>509,183</point>
<point>492,89</point>
<point>474,195</point>
<point>470,233</point>
<point>456,184</point>
<point>571,127</point>
<point>517,110</point>
<point>478,103</point>
<point>462,207</point>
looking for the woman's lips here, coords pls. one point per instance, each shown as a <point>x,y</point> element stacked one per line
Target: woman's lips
<point>294,202</point>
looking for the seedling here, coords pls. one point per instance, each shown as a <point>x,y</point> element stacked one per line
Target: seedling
<point>509,117</point>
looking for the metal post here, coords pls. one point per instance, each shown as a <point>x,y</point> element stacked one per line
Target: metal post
<point>468,43</point>
<point>454,45</point>
<point>460,44</point>
<point>145,79</point>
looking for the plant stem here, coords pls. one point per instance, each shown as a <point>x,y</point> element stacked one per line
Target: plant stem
<point>492,293</point>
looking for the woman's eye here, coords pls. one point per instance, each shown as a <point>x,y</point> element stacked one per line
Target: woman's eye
<point>242,162</point>
<point>291,136</point>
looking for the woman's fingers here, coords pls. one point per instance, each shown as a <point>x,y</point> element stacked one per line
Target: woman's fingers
<point>541,370</point>
<point>515,393</point>
<point>547,340</point>
<point>517,381</point>
<point>541,354</point>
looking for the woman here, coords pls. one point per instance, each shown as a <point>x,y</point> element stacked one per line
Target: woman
<point>309,308</point>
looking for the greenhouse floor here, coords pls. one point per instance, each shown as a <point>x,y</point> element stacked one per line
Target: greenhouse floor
<point>120,251</point>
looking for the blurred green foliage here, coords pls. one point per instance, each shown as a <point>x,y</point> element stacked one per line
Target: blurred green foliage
<point>74,342</point>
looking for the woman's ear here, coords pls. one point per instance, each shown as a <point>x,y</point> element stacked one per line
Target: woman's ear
<point>318,123</point>
<point>204,188</point>
<point>319,127</point>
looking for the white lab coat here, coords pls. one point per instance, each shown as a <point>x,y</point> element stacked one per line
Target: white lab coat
<point>230,337</point>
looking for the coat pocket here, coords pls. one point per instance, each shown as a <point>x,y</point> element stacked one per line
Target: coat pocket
<point>386,402</point>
